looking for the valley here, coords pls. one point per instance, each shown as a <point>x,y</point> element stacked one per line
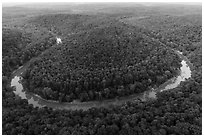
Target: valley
<point>102,69</point>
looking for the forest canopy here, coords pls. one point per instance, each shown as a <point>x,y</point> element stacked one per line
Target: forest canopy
<point>103,63</point>
<point>106,51</point>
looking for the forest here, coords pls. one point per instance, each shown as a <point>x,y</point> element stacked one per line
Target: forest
<point>95,70</point>
<point>104,54</point>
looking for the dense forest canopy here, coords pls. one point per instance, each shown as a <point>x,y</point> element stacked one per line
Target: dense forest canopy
<point>107,51</point>
<point>104,63</point>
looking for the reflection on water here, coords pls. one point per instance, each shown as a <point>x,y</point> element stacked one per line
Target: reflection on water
<point>18,86</point>
<point>37,101</point>
<point>15,82</point>
<point>184,74</point>
<point>149,94</point>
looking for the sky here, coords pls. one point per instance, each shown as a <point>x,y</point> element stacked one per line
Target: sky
<point>10,3</point>
<point>16,2</point>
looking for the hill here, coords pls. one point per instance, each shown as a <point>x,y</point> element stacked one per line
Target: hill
<point>106,62</point>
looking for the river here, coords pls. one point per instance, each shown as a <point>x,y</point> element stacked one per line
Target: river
<point>37,101</point>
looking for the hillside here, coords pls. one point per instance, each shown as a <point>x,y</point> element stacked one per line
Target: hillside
<point>108,52</point>
<point>102,63</point>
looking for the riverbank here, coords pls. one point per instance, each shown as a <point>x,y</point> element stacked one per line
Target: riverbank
<point>37,101</point>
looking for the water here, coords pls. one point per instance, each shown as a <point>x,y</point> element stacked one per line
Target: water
<point>15,82</point>
<point>37,101</point>
<point>151,94</point>
<point>184,74</point>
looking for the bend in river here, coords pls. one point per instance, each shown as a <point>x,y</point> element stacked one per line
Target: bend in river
<point>37,101</point>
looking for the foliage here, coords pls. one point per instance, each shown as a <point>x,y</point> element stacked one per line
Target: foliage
<point>113,61</point>
<point>177,111</point>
